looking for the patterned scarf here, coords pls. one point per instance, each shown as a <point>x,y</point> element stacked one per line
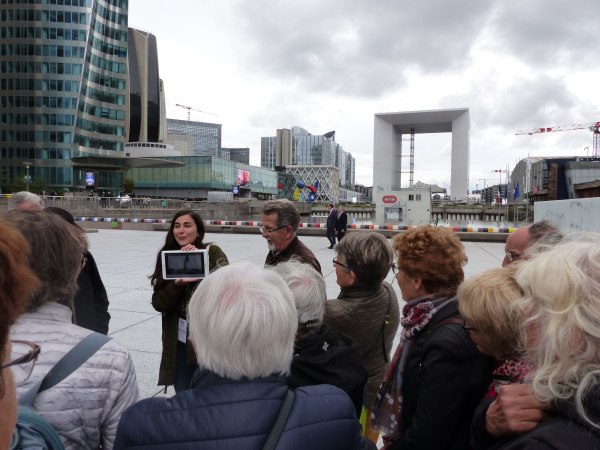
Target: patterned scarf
<point>387,410</point>
<point>511,370</point>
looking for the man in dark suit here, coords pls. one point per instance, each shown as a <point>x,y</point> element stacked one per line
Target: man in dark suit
<point>332,219</point>
<point>342,223</point>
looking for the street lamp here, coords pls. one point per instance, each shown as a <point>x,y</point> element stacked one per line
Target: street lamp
<point>27,178</point>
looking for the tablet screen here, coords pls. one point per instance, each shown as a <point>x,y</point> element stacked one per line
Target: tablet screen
<point>180,264</point>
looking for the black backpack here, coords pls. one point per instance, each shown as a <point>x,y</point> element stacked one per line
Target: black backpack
<point>32,431</point>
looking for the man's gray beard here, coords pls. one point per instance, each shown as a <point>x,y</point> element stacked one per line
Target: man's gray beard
<point>271,247</point>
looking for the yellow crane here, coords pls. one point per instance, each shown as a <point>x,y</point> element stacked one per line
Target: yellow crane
<point>189,109</point>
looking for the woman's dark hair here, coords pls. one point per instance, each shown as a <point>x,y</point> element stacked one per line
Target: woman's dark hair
<point>171,242</point>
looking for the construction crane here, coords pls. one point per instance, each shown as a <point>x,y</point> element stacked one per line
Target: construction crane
<point>594,127</point>
<point>189,109</point>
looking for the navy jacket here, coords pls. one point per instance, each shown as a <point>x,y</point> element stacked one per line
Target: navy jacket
<point>217,413</point>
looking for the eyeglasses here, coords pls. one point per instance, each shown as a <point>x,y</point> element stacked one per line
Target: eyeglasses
<point>469,329</point>
<point>395,269</point>
<point>335,261</point>
<point>512,256</point>
<point>24,364</point>
<point>268,230</point>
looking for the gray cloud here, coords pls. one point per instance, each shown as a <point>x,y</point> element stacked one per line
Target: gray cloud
<point>549,32</point>
<point>358,48</point>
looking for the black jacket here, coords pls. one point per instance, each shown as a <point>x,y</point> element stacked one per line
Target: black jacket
<point>565,430</point>
<point>332,219</point>
<point>330,357</point>
<point>444,378</point>
<point>342,223</point>
<point>91,300</point>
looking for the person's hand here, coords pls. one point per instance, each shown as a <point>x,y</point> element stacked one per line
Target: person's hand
<point>188,247</point>
<point>514,411</point>
<point>187,280</point>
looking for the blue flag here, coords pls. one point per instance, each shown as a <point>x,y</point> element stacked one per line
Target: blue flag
<point>516,191</point>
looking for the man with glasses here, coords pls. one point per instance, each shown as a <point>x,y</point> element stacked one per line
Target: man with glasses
<point>521,239</point>
<point>279,225</point>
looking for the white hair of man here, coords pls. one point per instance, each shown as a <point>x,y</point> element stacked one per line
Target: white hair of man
<point>242,322</point>
<point>561,291</point>
<point>308,287</point>
<point>26,200</point>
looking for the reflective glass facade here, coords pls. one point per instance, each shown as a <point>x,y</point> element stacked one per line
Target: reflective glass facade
<point>309,150</point>
<point>206,137</point>
<point>63,80</point>
<point>203,172</point>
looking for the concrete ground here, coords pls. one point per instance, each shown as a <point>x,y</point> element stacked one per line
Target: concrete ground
<point>125,258</point>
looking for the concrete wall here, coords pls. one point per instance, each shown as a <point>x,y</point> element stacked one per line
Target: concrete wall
<point>459,168</point>
<point>570,215</point>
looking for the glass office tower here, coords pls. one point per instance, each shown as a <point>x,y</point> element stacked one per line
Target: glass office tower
<point>63,91</point>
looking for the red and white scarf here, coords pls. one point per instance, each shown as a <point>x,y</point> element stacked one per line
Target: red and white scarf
<point>387,410</point>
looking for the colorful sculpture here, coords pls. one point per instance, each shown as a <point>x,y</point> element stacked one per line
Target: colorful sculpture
<point>312,190</point>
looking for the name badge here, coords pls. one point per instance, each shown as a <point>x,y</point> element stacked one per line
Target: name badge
<point>182,331</point>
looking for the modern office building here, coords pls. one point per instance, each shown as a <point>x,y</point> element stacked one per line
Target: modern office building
<point>555,178</point>
<point>76,86</point>
<point>194,138</point>
<point>310,157</point>
<point>391,168</point>
<point>236,154</point>
<point>147,118</point>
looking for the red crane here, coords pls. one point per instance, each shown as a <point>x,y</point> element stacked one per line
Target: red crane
<point>594,127</point>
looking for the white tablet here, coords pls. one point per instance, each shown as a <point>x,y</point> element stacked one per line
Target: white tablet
<point>180,264</point>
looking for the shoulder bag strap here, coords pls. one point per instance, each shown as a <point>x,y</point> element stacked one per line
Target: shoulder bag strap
<point>455,319</point>
<point>386,320</point>
<point>279,425</point>
<point>72,360</point>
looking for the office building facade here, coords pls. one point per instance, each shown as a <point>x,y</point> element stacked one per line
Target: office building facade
<point>236,154</point>
<point>76,85</point>
<point>205,138</point>
<point>298,147</point>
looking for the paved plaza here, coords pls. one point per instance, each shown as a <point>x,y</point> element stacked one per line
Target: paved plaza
<point>125,259</point>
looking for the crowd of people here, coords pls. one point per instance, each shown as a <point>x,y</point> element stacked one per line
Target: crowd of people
<point>260,358</point>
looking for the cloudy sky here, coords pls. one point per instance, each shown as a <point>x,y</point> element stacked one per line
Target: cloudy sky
<point>324,65</point>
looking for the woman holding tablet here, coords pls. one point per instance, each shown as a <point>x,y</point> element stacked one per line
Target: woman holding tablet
<point>171,297</point>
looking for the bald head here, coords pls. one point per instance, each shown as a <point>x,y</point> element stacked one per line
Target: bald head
<point>520,240</point>
<point>516,244</point>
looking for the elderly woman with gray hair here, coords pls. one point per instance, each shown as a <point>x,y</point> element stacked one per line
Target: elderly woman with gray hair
<point>366,308</point>
<point>321,355</point>
<point>85,407</point>
<point>242,322</point>
<point>561,309</point>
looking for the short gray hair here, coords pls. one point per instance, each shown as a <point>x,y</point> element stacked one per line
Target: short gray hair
<point>308,287</point>
<point>561,291</point>
<point>22,197</point>
<point>57,250</point>
<point>242,322</point>
<point>368,254</point>
<point>287,213</point>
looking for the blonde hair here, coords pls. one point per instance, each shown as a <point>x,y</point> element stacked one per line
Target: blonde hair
<point>562,300</point>
<point>486,302</point>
